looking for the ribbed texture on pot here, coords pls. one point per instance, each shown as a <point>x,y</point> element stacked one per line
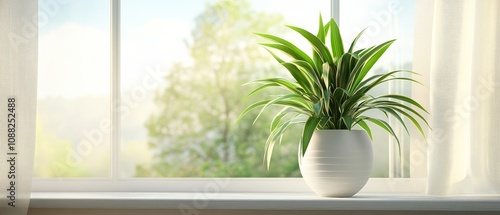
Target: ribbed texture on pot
<point>337,163</point>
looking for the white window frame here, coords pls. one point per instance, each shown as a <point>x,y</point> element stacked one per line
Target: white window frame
<point>226,185</point>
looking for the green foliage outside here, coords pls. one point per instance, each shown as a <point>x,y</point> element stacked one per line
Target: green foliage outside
<point>192,133</point>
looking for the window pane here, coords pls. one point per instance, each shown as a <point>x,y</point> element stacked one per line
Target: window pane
<point>183,64</point>
<point>384,20</point>
<point>73,89</point>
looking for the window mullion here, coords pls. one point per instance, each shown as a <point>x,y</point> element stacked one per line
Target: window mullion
<point>335,10</point>
<point>115,87</point>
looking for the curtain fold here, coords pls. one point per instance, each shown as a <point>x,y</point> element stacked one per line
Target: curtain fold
<point>463,54</point>
<point>18,75</point>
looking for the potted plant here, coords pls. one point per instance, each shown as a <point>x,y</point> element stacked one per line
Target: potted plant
<point>329,97</point>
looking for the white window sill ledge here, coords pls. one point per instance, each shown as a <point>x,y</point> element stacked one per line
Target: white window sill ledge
<point>261,201</point>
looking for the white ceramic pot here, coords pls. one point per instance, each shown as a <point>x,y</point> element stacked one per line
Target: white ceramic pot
<point>337,163</point>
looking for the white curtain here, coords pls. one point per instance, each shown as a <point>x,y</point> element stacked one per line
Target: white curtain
<point>18,74</point>
<point>458,44</point>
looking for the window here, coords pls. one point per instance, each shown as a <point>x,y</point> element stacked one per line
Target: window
<point>385,20</point>
<point>177,89</point>
<point>183,125</point>
<point>73,89</point>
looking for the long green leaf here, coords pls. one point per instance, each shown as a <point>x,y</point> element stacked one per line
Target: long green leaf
<point>370,83</point>
<point>279,116</point>
<point>303,79</point>
<point>299,106</point>
<point>327,28</point>
<point>281,99</point>
<point>345,67</point>
<point>392,104</point>
<point>384,125</point>
<point>260,88</point>
<point>413,120</point>
<point>405,99</point>
<point>321,30</point>
<point>350,102</point>
<point>353,44</point>
<point>348,121</point>
<point>366,62</point>
<point>365,127</point>
<point>336,40</point>
<point>291,47</point>
<point>276,136</point>
<point>250,108</point>
<point>395,115</point>
<point>318,46</point>
<point>362,52</point>
<point>292,87</point>
<point>276,57</point>
<point>325,76</point>
<point>311,72</point>
<point>285,49</point>
<point>308,131</point>
<point>401,109</point>
<point>357,53</point>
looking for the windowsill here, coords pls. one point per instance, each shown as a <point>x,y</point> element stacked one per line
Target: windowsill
<point>261,201</point>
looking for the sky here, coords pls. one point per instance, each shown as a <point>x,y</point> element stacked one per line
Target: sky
<point>74,39</point>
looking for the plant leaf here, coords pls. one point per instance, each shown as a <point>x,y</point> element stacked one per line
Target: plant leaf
<point>269,82</point>
<point>353,44</point>
<point>308,131</point>
<point>318,46</point>
<point>346,64</point>
<point>396,115</point>
<point>321,30</point>
<point>292,49</point>
<point>303,79</point>
<point>276,136</point>
<point>279,116</point>
<point>311,72</point>
<point>336,40</point>
<point>366,62</point>
<point>405,99</point>
<point>393,104</point>
<point>414,121</point>
<point>363,125</point>
<point>250,108</point>
<point>348,121</point>
<point>260,88</point>
<point>384,125</point>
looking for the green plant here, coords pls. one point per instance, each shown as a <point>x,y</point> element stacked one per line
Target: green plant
<point>331,88</point>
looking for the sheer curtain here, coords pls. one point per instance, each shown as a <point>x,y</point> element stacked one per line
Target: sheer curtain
<point>18,74</point>
<point>458,44</point>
